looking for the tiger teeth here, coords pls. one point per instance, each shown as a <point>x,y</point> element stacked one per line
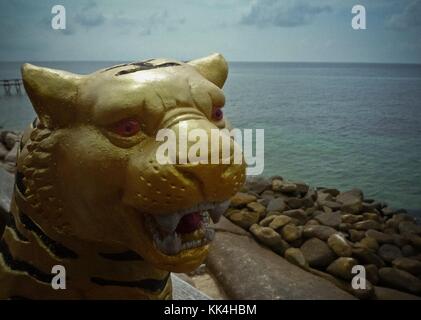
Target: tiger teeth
<point>169,242</point>
<point>170,245</point>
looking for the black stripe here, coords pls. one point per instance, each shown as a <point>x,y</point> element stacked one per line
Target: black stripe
<point>19,183</point>
<point>22,265</point>
<point>140,66</point>
<point>122,256</point>
<point>154,285</point>
<point>11,223</point>
<point>57,248</point>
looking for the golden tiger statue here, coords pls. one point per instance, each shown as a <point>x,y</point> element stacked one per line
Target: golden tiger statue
<point>89,193</point>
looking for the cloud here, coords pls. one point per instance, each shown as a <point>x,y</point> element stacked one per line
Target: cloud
<point>145,26</point>
<point>282,14</point>
<point>89,16</point>
<point>408,18</point>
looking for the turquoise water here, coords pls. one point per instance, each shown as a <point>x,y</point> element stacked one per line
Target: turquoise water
<point>333,125</point>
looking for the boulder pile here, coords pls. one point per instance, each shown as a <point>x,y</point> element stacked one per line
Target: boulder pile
<point>328,232</point>
<point>8,149</point>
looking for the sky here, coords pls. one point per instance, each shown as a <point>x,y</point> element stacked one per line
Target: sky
<point>242,30</point>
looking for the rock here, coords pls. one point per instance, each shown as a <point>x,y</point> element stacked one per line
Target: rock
<point>241,199</point>
<point>276,204</point>
<point>276,177</point>
<point>295,256</point>
<point>312,222</point>
<point>276,184</point>
<point>409,227</point>
<point>331,204</point>
<point>310,211</point>
<point>10,140</point>
<point>291,232</point>
<point>263,202</point>
<point>6,190</point>
<point>267,195</point>
<point>330,219</point>
<point>331,191</point>
<point>372,273</point>
<point>269,237</point>
<point>400,240</point>
<point>408,250</point>
<point>247,270</point>
<point>317,253</point>
<point>372,216</point>
<point>302,187</point>
<point>342,267</point>
<point>368,243</point>
<point>273,213</point>
<point>351,218</point>
<point>356,235</point>
<point>344,227</point>
<point>265,222</point>
<point>327,209</point>
<point>339,245</point>
<point>371,206</point>
<point>351,201</point>
<point>321,196</point>
<point>244,218</point>
<point>227,226</point>
<point>383,293</point>
<point>3,151</point>
<point>387,211</point>
<point>367,224</point>
<point>296,203</point>
<point>407,264</point>
<point>12,155</point>
<point>381,237</point>
<point>389,252</point>
<point>279,221</point>
<point>366,256</point>
<point>320,232</point>
<point>311,194</point>
<point>298,214</point>
<point>400,279</point>
<point>257,207</point>
<point>288,187</point>
<point>415,240</point>
<point>258,184</point>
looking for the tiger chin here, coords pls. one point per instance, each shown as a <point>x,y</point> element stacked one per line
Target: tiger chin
<point>89,193</point>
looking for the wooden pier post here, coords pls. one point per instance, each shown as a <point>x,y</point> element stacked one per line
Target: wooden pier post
<point>9,83</point>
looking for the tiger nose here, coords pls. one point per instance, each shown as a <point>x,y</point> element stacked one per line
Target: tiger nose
<point>219,173</point>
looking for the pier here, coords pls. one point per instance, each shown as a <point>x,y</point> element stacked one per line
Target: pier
<point>9,84</point>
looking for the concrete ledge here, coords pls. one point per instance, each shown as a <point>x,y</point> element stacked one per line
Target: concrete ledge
<point>184,291</point>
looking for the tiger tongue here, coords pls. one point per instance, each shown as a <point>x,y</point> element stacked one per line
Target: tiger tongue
<point>189,223</point>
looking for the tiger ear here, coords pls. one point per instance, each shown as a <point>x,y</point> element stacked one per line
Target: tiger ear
<point>52,93</point>
<point>213,67</point>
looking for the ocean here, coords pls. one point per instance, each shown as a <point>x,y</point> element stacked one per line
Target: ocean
<point>331,125</point>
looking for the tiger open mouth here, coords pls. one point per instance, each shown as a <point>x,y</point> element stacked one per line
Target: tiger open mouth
<point>185,229</point>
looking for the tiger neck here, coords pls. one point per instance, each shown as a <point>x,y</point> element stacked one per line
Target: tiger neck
<point>92,271</point>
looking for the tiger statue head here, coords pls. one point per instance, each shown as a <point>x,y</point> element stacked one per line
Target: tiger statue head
<point>89,164</point>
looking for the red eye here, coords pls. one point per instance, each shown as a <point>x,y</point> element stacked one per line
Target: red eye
<point>217,114</point>
<point>127,127</point>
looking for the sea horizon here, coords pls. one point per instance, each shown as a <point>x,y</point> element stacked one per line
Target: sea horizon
<point>329,124</point>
